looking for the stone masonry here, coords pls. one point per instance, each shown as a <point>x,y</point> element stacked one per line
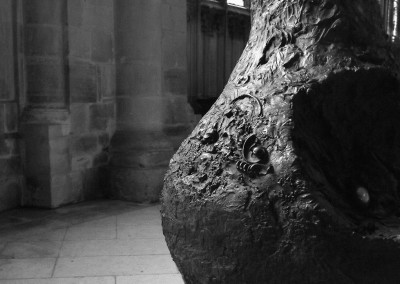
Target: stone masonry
<point>93,99</point>
<point>10,156</point>
<point>70,112</point>
<point>57,100</point>
<point>153,115</point>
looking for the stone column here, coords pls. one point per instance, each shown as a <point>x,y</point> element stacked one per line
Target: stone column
<point>45,122</point>
<point>92,91</point>
<point>152,111</point>
<point>11,180</point>
<point>69,114</point>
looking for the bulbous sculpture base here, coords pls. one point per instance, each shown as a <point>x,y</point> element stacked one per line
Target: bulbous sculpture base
<point>293,175</point>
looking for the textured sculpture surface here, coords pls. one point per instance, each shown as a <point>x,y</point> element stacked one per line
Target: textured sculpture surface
<point>293,175</point>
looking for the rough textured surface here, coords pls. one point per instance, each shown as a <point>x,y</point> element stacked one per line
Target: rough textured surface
<point>292,176</point>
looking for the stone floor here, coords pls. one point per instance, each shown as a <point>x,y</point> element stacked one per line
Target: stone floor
<point>102,242</point>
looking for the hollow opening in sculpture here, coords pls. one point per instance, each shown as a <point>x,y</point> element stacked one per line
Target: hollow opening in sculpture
<point>347,138</point>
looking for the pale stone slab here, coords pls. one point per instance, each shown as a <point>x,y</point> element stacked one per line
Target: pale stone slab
<point>31,249</point>
<point>101,222</point>
<point>114,247</point>
<point>88,248</point>
<point>151,279</point>
<point>91,233</point>
<point>139,217</point>
<point>76,280</point>
<point>26,268</point>
<point>154,209</point>
<point>95,217</point>
<point>115,265</point>
<point>140,232</point>
<point>35,234</point>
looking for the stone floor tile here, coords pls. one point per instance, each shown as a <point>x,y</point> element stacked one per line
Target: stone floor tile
<point>26,268</point>
<point>22,216</point>
<point>115,265</point>
<point>151,279</point>
<point>85,235</point>
<point>113,247</point>
<point>139,217</point>
<point>139,232</point>
<point>34,234</point>
<point>44,235</point>
<point>75,280</point>
<point>91,233</point>
<point>151,209</point>
<point>44,249</point>
<point>83,212</point>
<point>97,222</point>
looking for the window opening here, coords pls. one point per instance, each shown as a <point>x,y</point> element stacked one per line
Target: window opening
<point>391,18</point>
<point>395,32</point>
<point>236,3</point>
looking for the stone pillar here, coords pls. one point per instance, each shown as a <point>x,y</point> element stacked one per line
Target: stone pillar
<point>11,180</point>
<point>69,114</point>
<point>180,119</point>
<point>46,121</point>
<point>92,93</point>
<point>153,115</point>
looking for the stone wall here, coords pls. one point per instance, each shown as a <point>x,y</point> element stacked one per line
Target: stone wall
<point>57,100</point>
<point>92,88</point>
<point>180,119</point>
<point>70,112</point>
<point>73,73</point>
<point>153,115</point>
<point>11,179</point>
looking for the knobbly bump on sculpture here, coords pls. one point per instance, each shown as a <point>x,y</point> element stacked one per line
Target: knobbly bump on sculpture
<point>293,175</point>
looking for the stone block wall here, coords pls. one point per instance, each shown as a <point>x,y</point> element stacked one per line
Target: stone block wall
<point>153,114</point>
<point>179,118</point>
<point>45,53</point>
<point>11,178</point>
<point>69,115</point>
<point>93,99</point>
<point>92,93</point>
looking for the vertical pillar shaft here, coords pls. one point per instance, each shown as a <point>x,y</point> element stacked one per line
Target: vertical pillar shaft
<point>152,111</point>
<point>69,115</point>
<point>11,180</point>
<point>45,122</point>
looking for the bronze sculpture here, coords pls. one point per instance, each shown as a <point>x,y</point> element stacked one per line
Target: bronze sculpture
<point>293,175</point>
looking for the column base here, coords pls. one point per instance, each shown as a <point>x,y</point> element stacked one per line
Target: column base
<point>139,160</point>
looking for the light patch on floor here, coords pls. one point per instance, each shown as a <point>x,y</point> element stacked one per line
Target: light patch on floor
<point>104,242</point>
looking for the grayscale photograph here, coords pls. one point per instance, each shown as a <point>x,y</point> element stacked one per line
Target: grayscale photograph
<point>200,142</point>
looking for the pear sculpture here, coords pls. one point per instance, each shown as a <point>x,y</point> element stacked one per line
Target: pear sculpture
<point>293,176</point>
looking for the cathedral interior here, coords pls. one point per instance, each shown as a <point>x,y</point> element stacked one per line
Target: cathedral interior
<point>95,98</point>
